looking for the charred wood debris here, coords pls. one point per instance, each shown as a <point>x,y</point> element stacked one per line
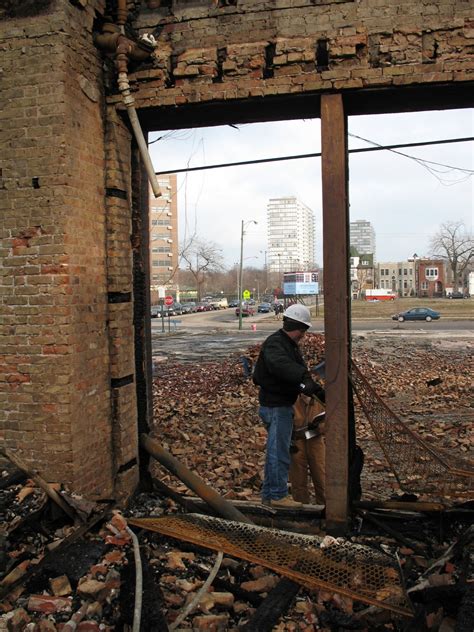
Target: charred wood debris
<point>70,564</point>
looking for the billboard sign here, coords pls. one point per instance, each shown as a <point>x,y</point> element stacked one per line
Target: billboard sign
<point>301,283</point>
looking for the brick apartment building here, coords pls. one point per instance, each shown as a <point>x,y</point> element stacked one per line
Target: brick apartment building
<point>414,277</point>
<point>431,278</point>
<point>75,386</point>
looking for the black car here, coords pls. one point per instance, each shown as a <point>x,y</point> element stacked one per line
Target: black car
<point>264,308</point>
<point>188,308</point>
<point>456,295</point>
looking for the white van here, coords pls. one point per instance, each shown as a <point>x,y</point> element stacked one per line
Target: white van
<point>219,303</point>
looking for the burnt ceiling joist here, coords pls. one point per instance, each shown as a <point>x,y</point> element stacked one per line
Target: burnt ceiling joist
<point>287,107</point>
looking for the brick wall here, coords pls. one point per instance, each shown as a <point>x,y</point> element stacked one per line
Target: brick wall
<point>55,378</point>
<point>249,49</point>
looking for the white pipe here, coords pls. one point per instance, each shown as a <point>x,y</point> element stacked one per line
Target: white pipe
<point>137,611</point>
<point>129,102</point>
<point>198,596</point>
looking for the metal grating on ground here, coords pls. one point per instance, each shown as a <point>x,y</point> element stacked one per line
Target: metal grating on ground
<point>356,571</point>
<point>417,466</point>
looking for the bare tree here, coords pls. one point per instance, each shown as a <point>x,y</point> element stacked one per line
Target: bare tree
<point>201,258</point>
<point>455,245</point>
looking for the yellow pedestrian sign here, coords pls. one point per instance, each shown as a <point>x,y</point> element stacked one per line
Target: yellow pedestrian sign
<point>246,294</point>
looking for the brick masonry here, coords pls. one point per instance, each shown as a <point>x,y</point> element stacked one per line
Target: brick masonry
<point>249,49</point>
<point>68,399</point>
<point>65,247</point>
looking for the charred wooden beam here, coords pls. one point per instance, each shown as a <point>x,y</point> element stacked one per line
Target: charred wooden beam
<point>278,601</point>
<point>45,486</point>
<point>223,507</point>
<point>393,532</point>
<point>334,164</point>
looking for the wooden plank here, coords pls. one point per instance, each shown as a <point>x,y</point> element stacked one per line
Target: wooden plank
<point>334,164</point>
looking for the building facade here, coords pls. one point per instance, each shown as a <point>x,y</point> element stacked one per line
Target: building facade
<point>431,278</point>
<point>362,237</point>
<point>362,274</point>
<point>290,230</point>
<point>398,276</point>
<point>164,234</point>
<point>421,277</point>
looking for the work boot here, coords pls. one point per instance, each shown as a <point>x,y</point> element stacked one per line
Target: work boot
<point>286,502</point>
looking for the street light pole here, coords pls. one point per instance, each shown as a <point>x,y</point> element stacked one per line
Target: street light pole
<point>266,270</point>
<point>241,269</point>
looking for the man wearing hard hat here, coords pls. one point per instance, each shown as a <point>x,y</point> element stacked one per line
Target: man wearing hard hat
<point>282,374</point>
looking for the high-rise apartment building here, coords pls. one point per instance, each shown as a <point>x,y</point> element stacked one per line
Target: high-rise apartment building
<point>362,237</point>
<point>290,229</point>
<point>164,233</point>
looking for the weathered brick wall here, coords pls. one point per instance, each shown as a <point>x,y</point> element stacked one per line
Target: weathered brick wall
<point>262,48</point>
<point>120,295</point>
<point>55,386</point>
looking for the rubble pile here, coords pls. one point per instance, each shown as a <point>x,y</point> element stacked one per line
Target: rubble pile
<point>207,414</point>
<point>61,574</point>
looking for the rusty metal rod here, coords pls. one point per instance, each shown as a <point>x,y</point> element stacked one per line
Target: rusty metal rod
<point>223,507</point>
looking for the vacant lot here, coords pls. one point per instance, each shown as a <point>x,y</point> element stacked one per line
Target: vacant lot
<point>449,308</point>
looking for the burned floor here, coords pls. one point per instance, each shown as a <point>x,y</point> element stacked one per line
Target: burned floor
<point>69,564</point>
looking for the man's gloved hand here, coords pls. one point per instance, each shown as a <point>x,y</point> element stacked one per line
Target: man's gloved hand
<point>309,387</point>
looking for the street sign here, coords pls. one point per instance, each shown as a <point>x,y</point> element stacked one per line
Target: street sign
<point>161,292</point>
<point>168,300</point>
<point>246,294</point>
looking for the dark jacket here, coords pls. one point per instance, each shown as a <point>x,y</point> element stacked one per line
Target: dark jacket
<point>279,370</point>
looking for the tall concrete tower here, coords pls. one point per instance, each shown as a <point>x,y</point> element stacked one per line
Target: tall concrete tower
<point>362,237</point>
<point>290,228</point>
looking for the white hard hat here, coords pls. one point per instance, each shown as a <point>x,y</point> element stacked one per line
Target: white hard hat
<point>299,313</point>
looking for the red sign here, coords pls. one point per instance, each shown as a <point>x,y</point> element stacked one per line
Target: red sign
<point>168,300</point>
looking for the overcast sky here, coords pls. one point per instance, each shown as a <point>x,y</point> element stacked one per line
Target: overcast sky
<point>405,203</point>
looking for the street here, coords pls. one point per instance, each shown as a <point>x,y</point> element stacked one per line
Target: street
<point>211,335</point>
<point>226,319</point>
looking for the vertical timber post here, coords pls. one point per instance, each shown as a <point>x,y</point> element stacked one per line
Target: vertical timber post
<point>334,164</point>
<point>141,309</point>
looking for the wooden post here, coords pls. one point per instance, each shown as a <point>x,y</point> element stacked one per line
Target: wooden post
<point>334,164</point>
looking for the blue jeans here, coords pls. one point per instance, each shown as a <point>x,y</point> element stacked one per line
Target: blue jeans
<point>278,421</point>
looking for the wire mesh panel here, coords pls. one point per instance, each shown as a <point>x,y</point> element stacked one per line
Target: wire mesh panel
<point>343,567</point>
<point>417,466</point>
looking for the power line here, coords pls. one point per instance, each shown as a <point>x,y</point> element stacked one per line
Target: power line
<point>360,150</point>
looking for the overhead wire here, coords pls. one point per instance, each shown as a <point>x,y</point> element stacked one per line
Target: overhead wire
<point>424,162</point>
<point>376,147</point>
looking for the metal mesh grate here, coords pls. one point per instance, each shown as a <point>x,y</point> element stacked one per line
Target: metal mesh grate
<point>349,569</point>
<point>417,466</point>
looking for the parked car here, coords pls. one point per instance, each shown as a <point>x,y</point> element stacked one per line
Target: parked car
<point>456,295</point>
<point>204,307</point>
<point>264,308</point>
<point>247,310</point>
<point>234,303</point>
<point>417,313</point>
<point>155,311</point>
<point>188,308</point>
<point>177,308</point>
